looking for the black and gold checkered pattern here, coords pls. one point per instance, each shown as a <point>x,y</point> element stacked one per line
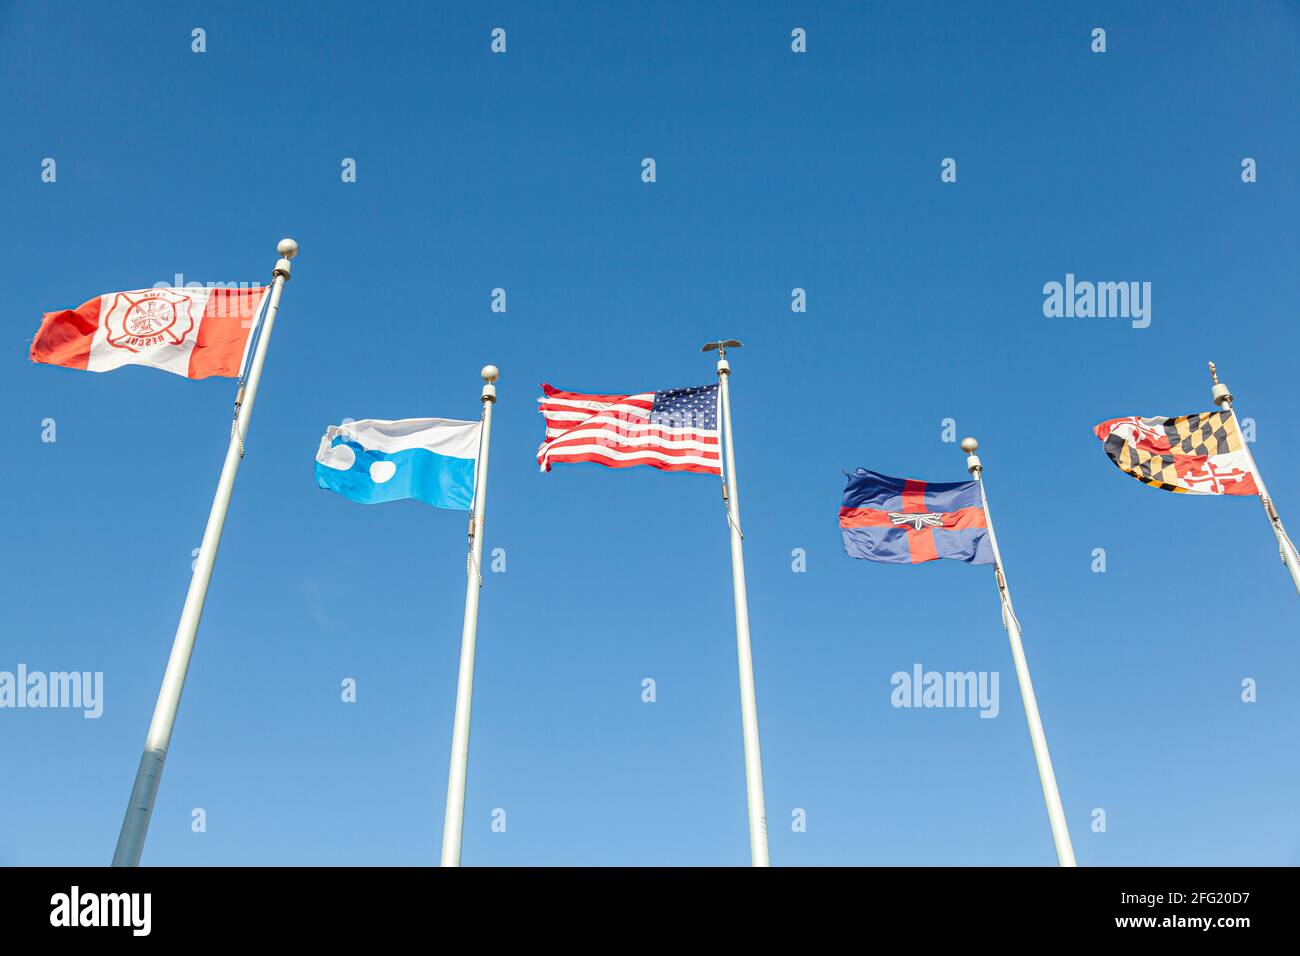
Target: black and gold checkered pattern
<point>1197,436</point>
<point>1206,433</point>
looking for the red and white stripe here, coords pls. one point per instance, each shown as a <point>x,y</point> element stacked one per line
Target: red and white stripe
<point>616,431</point>
<point>190,331</point>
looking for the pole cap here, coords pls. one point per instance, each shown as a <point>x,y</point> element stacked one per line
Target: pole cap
<point>284,268</point>
<point>1219,391</point>
<point>969,445</point>
<point>490,373</point>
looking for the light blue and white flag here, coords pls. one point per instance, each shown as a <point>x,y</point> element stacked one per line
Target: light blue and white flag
<point>428,459</point>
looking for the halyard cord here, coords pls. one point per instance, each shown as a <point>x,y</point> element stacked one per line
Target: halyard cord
<point>1289,544</point>
<point>726,504</point>
<point>722,472</point>
<point>470,567</point>
<point>1283,539</point>
<point>1004,596</point>
<point>1007,612</point>
<point>254,334</point>
<point>234,421</point>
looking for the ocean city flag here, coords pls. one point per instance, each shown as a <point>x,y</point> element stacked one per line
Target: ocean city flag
<point>903,521</point>
<point>443,463</point>
<point>429,459</point>
<point>1201,454</point>
<point>188,331</point>
<point>673,430</point>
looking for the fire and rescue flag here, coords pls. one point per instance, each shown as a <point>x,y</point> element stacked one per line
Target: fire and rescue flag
<point>903,521</point>
<point>190,331</point>
<point>1201,454</point>
<point>673,430</point>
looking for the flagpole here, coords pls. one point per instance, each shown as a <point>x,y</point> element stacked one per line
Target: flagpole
<point>139,809</point>
<point>453,824</point>
<point>1286,550</point>
<point>1046,776</point>
<point>748,703</point>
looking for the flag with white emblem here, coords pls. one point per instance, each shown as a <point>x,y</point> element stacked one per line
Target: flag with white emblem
<point>429,459</point>
<point>904,521</point>
<point>194,332</point>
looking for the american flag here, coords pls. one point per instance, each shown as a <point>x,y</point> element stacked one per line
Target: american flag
<point>675,430</point>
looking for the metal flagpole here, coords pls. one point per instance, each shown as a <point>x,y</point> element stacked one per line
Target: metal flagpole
<point>454,822</point>
<point>748,703</point>
<point>1046,776</point>
<point>135,826</point>
<point>1287,550</point>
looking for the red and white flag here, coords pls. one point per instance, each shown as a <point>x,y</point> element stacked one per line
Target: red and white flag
<point>195,332</point>
<point>673,430</point>
<point>1201,454</point>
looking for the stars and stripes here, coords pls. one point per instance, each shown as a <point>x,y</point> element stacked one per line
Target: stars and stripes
<point>673,430</point>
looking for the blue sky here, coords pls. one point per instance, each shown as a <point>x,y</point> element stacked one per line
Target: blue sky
<point>775,170</point>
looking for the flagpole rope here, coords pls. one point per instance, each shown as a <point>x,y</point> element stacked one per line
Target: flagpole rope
<point>250,348</point>
<point>453,822</point>
<point>234,421</point>
<point>144,792</point>
<point>471,568</point>
<point>1011,624</point>
<point>1283,539</point>
<point>1224,399</point>
<point>1289,543</point>
<point>726,505</point>
<point>722,476</point>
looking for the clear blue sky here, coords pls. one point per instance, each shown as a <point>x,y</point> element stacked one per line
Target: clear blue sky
<point>775,171</point>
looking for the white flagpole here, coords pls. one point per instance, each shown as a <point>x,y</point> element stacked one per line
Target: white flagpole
<point>135,826</point>
<point>748,702</point>
<point>1046,776</point>
<point>453,824</point>
<point>1286,550</point>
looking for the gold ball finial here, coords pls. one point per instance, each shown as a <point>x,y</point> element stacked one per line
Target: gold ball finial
<point>287,248</point>
<point>969,445</point>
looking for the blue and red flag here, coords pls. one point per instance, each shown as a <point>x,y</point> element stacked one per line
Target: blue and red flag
<point>902,521</point>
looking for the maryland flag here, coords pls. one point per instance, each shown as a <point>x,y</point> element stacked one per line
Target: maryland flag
<point>1200,454</point>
